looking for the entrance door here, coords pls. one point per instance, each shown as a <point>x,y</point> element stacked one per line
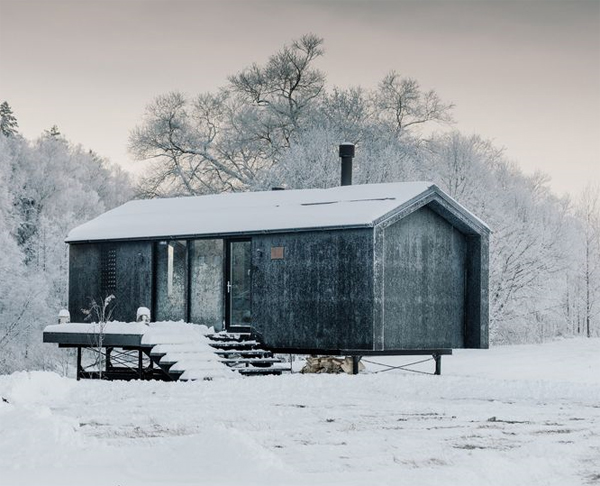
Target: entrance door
<point>239,284</point>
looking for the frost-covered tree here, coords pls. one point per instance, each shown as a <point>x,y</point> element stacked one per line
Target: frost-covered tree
<point>8,121</point>
<point>46,188</point>
<point>53,131</point>
<point>233,139</point>
<point>218,142</point>
<point>588,210</point>
<point>401,104</point>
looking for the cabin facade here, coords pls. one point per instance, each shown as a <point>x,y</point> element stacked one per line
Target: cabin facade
<point>362,269</point>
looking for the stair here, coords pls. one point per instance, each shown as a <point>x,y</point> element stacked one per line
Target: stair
<point>244,353</point>
<point>181,351</point>
<point>188,355</point>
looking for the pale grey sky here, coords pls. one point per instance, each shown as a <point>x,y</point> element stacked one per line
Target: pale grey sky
<point>523,73</point>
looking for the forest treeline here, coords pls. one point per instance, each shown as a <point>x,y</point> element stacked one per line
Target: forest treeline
<point>47,186</point>
<point>279,124</point>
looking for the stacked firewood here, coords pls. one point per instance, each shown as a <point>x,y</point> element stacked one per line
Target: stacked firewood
<point>330,364</point>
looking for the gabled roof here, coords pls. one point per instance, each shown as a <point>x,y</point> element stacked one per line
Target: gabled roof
<point>258,212</point>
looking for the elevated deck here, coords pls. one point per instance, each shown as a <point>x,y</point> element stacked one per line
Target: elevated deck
<point>180,351</point>
<point>162,350</point>
<point>116,334</point>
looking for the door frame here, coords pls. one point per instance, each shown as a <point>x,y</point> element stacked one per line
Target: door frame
<point>227,242</point>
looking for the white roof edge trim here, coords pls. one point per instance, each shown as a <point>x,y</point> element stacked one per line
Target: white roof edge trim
<point>476,222</point>
<point>460,207</point>
<point>190,236</point>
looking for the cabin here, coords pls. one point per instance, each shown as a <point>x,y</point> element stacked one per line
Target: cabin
<point>379,267</point>
<point>355,270</point>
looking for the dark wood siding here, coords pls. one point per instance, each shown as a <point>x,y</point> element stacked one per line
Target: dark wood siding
<point>134,279</point>
<point>477,292</point>
<point>424,283</point>
<point>100,269</point>
<point>319,295</point>
<point>84,278</point>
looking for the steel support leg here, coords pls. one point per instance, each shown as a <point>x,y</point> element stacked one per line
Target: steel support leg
<point>78,363</point>
<point>107,358</point>
<point>438,364</point>
<point>355,361</point>
<point>140,365</point>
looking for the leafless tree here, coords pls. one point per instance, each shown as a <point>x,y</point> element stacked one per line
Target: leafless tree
<point>402,104</point>
<point>100,313</point>
<point>588,209</point>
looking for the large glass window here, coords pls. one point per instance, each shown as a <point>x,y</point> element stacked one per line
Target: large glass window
<point>240,283</point>
<point>171,280</point>
<point>206,260</point>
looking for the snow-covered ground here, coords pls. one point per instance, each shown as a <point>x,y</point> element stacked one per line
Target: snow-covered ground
<point>519,415</point>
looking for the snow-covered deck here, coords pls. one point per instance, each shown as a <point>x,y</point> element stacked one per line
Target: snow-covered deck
<point>86,334</point>
<point>198,361</point>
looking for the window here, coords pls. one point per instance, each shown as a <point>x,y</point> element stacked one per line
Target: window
<point>171,280</point>
<point>206,264</point>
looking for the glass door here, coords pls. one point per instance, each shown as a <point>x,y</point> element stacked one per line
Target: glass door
<point>239,284</point>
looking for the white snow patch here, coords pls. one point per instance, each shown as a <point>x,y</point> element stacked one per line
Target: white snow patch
<point>33,387</point>
<point>526,415</point>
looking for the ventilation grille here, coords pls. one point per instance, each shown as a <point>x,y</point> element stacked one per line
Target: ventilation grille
<point>108,266</point>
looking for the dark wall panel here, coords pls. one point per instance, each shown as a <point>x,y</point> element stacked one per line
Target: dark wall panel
<point>424,283</point>
<point>477,292</point>
<point>313,290</point>
<point>101,269</point>
<point>133,279</point>
<point>84,278</point>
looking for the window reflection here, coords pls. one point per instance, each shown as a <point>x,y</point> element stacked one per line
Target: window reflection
<point>207,283</point>
<point>241,283</point>
<point>171,280</point>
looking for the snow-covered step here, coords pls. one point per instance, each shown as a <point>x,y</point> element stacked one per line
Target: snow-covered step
<point>162,349</point>
<point>185,365</point>
<point>243,353</point>
<point>252,361</point>
<point>271,370</point>
<point>189,352</point>
<point>234,344</point>
<point>172,358</point>
<point>230,336</point>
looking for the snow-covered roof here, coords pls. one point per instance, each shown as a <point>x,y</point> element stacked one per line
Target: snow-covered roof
<point>252,212</point>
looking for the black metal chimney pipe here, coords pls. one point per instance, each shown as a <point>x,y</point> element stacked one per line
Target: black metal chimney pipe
<point>347,154</point>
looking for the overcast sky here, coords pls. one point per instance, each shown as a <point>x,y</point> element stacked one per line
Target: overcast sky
<point>525,74</point>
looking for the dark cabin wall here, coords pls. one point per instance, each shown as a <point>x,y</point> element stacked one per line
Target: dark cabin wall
<point>98,270</point>
<point>477,292</point>
<point>84,278</point>
<point>319,295</point>
<point>424,283</point>
<point>133,279</point>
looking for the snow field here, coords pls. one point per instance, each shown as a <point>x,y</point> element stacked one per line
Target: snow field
<point>519,415</point>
